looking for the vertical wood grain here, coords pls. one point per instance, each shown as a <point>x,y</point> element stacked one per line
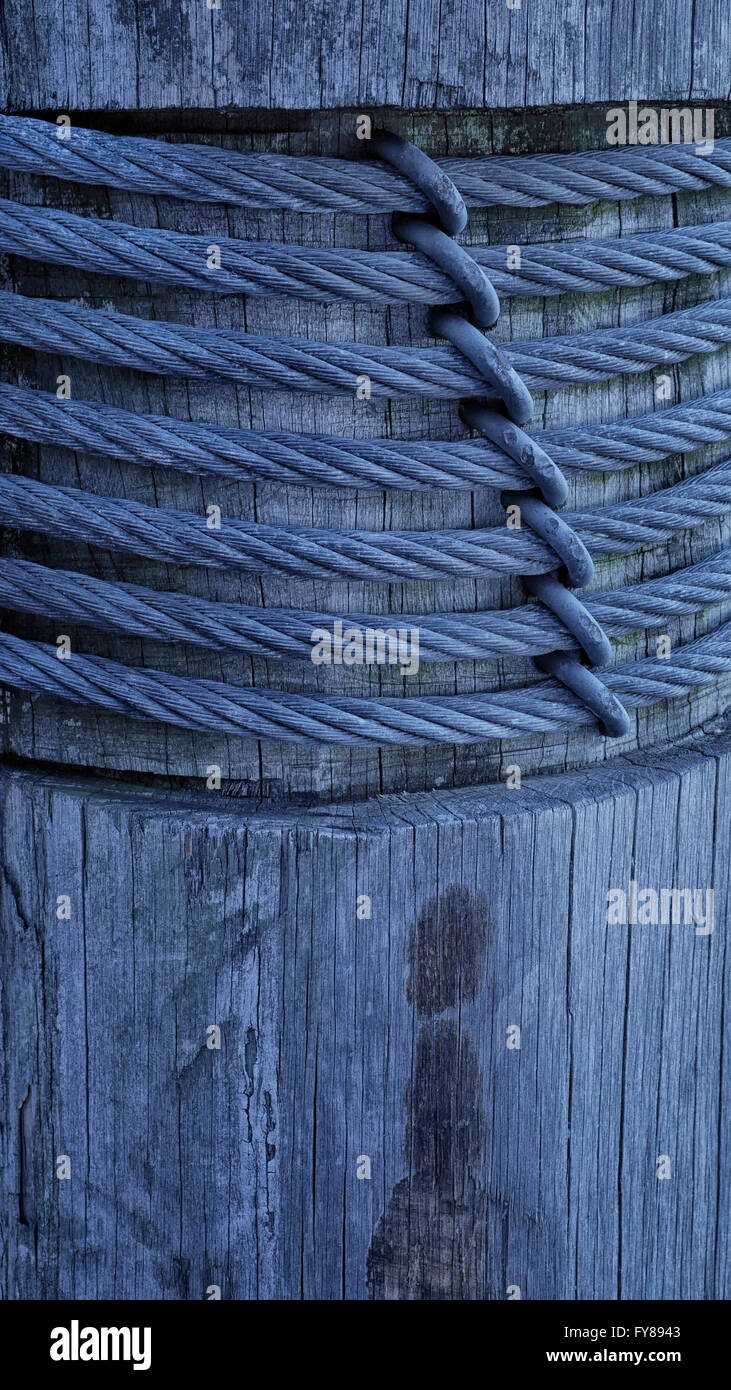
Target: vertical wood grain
<point>381,1038</point>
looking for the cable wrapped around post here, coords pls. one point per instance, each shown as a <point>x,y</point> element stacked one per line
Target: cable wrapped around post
<point>207,173</point>
<point>279,633</point>
<point>311,460</point>
<point>543,707</point>
<point>546,486</point>
<point>301,364</point>
<point>334,274</point>
<point>183,537</point>
<point>551,552</point>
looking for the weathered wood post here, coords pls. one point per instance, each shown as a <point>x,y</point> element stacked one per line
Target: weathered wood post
<point>294,1020</point>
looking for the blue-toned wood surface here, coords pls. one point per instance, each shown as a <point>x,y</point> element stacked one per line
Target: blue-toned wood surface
<point>368,1127</point>
<point>376,1044</point>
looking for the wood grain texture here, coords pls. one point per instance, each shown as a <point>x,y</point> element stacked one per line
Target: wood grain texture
<point>345,1038</point>
<point>381,1038</point>
<point>45,730</point>
<point>316,54</point>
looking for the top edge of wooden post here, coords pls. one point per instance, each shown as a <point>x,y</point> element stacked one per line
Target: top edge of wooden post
<point>319,54</point>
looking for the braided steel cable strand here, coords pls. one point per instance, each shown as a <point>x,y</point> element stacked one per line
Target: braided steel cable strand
<point>183,537</point>
<point>554,590</point>
<point>208,173</point>
<point>494,367</point>
<point>277,634</point>
<point>333,274</point>
<point>161,441</point>
<point>211,706</point>
<point>297,364</point>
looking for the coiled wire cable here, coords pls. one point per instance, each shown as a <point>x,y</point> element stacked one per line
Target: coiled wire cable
<point>552,552</point>
<point>546,485</point>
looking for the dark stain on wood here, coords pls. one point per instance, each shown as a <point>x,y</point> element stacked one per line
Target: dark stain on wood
<point>447,951</point>
<point>430,1243</point>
